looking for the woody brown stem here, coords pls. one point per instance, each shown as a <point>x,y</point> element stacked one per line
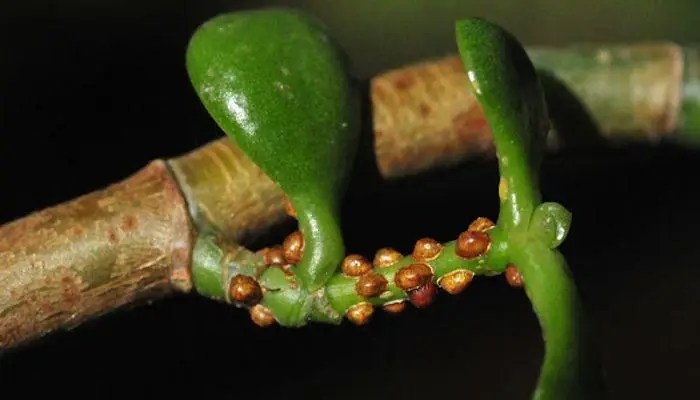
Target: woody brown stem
<point>66,264</point>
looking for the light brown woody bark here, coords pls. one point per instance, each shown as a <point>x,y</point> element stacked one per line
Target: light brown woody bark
<point>72,262</point>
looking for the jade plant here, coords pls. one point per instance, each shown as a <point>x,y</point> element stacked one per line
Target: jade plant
<point>279,86</point>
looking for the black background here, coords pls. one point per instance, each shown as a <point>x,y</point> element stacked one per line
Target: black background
<point>90,94</point>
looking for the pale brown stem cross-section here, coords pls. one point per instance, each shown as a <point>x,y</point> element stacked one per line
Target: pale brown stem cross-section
<point>72,262</point>
<point>227,191</point>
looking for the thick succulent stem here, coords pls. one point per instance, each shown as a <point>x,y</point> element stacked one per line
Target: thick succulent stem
<point>504,80</point>
<point>571,367</point>
<point>324,243</point>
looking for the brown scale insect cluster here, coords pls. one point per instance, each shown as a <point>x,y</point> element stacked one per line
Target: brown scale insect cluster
<point>370,284</point>
<point>415,279</point>
<point>246,289</point>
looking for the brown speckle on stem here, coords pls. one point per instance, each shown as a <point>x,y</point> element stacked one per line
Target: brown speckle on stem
<point>262,316</point>
<point>513,276</point>
<point>472,244</point>
<point>404,82</point>
<point>456,281</point>
<point>426,249</point>
<point>481,224</point>
<point>180,274</point>
<point>386,257</point>
<point>293,246</point>
<point>78,232</point>
<point>360,313</point>
<point>245,289</point>
<point>130,223</point>
<point>356,265</point>
<point>71,293</point>
<point>394,307</point>
<point>413,276</point>
<point>371,285</point>
<point>423,296</point>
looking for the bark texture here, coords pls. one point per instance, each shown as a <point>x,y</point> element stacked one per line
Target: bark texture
<point>72,262</point>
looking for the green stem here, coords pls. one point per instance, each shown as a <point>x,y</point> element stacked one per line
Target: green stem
<point>324,247</point>
<point>504,80</point>
<point>570,369</point>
